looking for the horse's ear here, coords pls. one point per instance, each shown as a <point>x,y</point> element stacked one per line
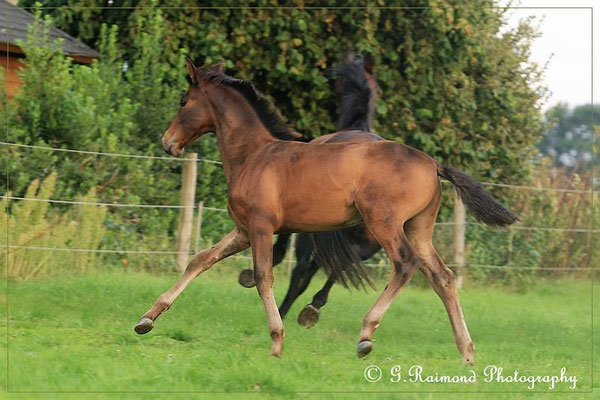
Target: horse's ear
<point>219,67</point>
<point>191,69</point>
<point>369,64</point>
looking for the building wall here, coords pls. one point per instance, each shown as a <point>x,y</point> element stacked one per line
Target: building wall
<point>10,66</point>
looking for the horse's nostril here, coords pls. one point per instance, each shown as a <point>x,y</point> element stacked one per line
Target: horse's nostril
<point>168,150</point>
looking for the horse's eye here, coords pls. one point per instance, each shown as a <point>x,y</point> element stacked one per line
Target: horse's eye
<point>182,102</point>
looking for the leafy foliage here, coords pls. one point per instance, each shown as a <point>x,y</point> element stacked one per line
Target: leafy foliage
<point>547,251</point>
<point>451,84</point>
<point>568,140</point>
<point>97,108</point>
<point>32,223</point>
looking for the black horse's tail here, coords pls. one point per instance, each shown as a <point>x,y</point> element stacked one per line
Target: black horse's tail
<point>331,251</point>
<point>483,206</point>
<point>334,254</point>
<point>356,93</point>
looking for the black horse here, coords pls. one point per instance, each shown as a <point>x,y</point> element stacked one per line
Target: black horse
<point>357,87</point>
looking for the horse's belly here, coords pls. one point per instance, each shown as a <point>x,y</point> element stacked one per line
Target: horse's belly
<point>319,218</point>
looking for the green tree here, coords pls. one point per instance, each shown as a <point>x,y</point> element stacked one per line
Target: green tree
<point>568,141</point>
<point>97,108</point>
<point>453,84</point>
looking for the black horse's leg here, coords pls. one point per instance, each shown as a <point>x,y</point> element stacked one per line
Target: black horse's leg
<point>280,247</point>
<point>320,298</point>
<point>246,278</point>
<point>310,314</point>
<point>301,277</point>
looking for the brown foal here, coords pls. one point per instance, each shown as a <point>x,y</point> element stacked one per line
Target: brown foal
<point>277,185</point>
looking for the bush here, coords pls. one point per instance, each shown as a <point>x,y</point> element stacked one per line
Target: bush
<point>103,108</point>
<point>451,85</point>
<point>34,224</point>
<point>549,252</point>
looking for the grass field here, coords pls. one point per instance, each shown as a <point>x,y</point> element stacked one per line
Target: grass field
<point>76,335</point>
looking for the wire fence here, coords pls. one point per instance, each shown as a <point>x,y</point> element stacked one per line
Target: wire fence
<point>370,265</point>
<point>216,209</point>
<point>533,228</point>
<point>100,153</point>
<point>180,159</point>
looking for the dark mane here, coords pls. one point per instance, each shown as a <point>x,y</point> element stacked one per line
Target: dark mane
<point>358,100</point>
<point>266,111</point>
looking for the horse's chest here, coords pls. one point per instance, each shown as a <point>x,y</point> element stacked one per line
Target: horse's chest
<point>250,202</point>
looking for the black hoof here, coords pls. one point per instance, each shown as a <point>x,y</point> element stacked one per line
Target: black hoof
<point>364,348</point>
<point>144,326</point>
<point>309,316</point>
<point>246,278</point>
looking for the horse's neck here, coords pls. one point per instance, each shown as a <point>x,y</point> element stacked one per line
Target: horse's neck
<point>240,132</point>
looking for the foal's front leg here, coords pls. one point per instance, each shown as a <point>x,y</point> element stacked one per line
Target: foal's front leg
<point>232,243</point>
<point>262,254</point>
<point>246,278</point>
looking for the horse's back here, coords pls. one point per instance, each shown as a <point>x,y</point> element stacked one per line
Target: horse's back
<point>318,185</point>
<point>356,136</point>
<point>343,164</point>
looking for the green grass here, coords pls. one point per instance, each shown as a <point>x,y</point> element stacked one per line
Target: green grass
<point>77,335</point>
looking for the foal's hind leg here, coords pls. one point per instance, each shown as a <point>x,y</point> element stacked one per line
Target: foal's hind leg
<point>419,231</point>
<point>234,242</point>
<point>444,283</point>
<point>405,262</point>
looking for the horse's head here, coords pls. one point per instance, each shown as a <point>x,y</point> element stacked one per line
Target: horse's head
<point>370,74</point>
<point>358,89</point>
<point>195,116</point>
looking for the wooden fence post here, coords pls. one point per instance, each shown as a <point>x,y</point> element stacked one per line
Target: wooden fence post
<point>198,226</point>
<point>459,239</point>
<point>186,216</point>
<point>511,236</point>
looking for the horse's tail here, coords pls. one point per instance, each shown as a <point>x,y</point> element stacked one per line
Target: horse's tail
<point>334,254</point>
<point>483,206</point>
<point>357,96</point>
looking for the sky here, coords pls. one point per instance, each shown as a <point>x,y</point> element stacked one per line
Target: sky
<point>566,44</point>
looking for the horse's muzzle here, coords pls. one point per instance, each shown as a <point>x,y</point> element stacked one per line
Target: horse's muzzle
<point>173,149</point>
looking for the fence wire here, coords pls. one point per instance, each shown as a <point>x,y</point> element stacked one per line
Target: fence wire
<point>99,153</point>
<point>531,228</point>
<point>369,265</point>
<point>167,252</point>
